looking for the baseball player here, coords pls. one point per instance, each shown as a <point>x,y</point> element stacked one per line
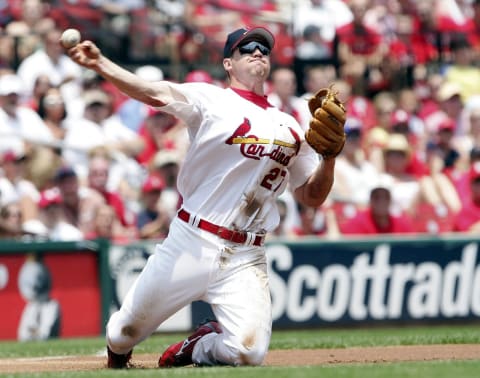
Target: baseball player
<point>243,152</point>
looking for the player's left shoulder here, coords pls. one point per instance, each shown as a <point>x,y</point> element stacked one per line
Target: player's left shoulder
<point>286,119</point>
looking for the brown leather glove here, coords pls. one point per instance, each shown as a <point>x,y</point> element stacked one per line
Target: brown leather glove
<point>326,134</point>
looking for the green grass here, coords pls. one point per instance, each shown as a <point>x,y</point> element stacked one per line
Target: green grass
<point>323,338</point>
<point>459,369</point>
<point>343,338</point>
<point>304,339</point>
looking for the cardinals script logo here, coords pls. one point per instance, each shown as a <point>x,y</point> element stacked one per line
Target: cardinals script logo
<point>253,147</point>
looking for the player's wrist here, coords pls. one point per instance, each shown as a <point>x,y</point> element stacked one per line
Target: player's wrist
<point>329,161</point>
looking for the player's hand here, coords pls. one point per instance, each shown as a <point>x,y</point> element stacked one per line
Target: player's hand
<point>86,54</point>
<point>326,134</point>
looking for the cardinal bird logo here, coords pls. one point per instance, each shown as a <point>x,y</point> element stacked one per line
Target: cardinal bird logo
<point>241,131</point>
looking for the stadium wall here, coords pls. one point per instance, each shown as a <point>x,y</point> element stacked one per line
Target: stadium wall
<point>314,283</point>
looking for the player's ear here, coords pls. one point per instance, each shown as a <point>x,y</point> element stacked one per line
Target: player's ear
<point>227,64</point>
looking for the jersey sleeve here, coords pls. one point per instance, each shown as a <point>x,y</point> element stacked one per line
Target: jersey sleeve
<point>190,111</point>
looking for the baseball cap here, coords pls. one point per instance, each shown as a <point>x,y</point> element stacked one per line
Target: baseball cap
<point>153,183</point>
<point>377,136</point>
<point>236,37</point>
<point>353,126</point>
<point>165,157</point>
<point>397,142</point>
<point>64,172</point>
<point>448,90</point>
<point>382,182</point>
<point>95,96</point>
<point>11,156</point>
<point>447,124</point>
<point>49,197</point>
<point>10,84</point>
<point>162,119</point>
<point>399,116</point>
<point>149,73</point>
<point>198,76</point>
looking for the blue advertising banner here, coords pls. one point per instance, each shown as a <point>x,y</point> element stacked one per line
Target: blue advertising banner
<point>367,281</point>
<point>348,282</point>
<point>313,282</point>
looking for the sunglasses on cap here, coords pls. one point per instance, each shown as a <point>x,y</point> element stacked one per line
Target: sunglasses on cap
<point>250,47</point>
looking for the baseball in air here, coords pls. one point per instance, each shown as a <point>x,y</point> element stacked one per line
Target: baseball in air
<point>70,38</point>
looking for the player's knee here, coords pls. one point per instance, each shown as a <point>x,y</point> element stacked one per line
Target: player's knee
<point>250,353</point>
<point>120,339</point>
<point>250,357</point>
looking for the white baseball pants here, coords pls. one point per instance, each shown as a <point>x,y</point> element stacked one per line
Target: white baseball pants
<point>192,264</point>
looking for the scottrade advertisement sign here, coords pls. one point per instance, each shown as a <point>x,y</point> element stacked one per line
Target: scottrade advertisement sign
<point>346,282</point>
<point>367,281</point>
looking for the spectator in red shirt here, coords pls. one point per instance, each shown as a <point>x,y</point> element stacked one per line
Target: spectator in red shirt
<point>152,221</point>
<point>105,226</point>
<point>84,15</point>
<point>79,203</point>
<point>407,124</point>
<point>384,104</point>
<point>424,36</point>
<point>98,177</point>
<point>472,27</point>
<point>461,180</point>
<point>158,132</point>
<point>468,218</point>
<point>41,86</point>
<point>361,50</point>
<point>443,142</point>
<point>377,218</point>
<point>359,105</point>
<point>319,222</point>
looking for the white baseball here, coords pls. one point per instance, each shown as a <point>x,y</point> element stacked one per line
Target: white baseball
<point>70,38</point>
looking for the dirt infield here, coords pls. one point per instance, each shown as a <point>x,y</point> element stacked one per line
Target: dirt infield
<point>290,357</point>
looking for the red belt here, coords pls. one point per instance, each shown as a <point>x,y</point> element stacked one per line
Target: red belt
<point>239,237</point>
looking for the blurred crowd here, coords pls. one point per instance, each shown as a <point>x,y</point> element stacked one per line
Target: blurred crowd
<point>79,160</point>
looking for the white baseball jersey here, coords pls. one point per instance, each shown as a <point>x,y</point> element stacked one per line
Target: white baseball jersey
<point>243,153</point>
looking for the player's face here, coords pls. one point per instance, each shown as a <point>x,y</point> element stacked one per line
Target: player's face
<point>252,46</point>
<point>251,60</point>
